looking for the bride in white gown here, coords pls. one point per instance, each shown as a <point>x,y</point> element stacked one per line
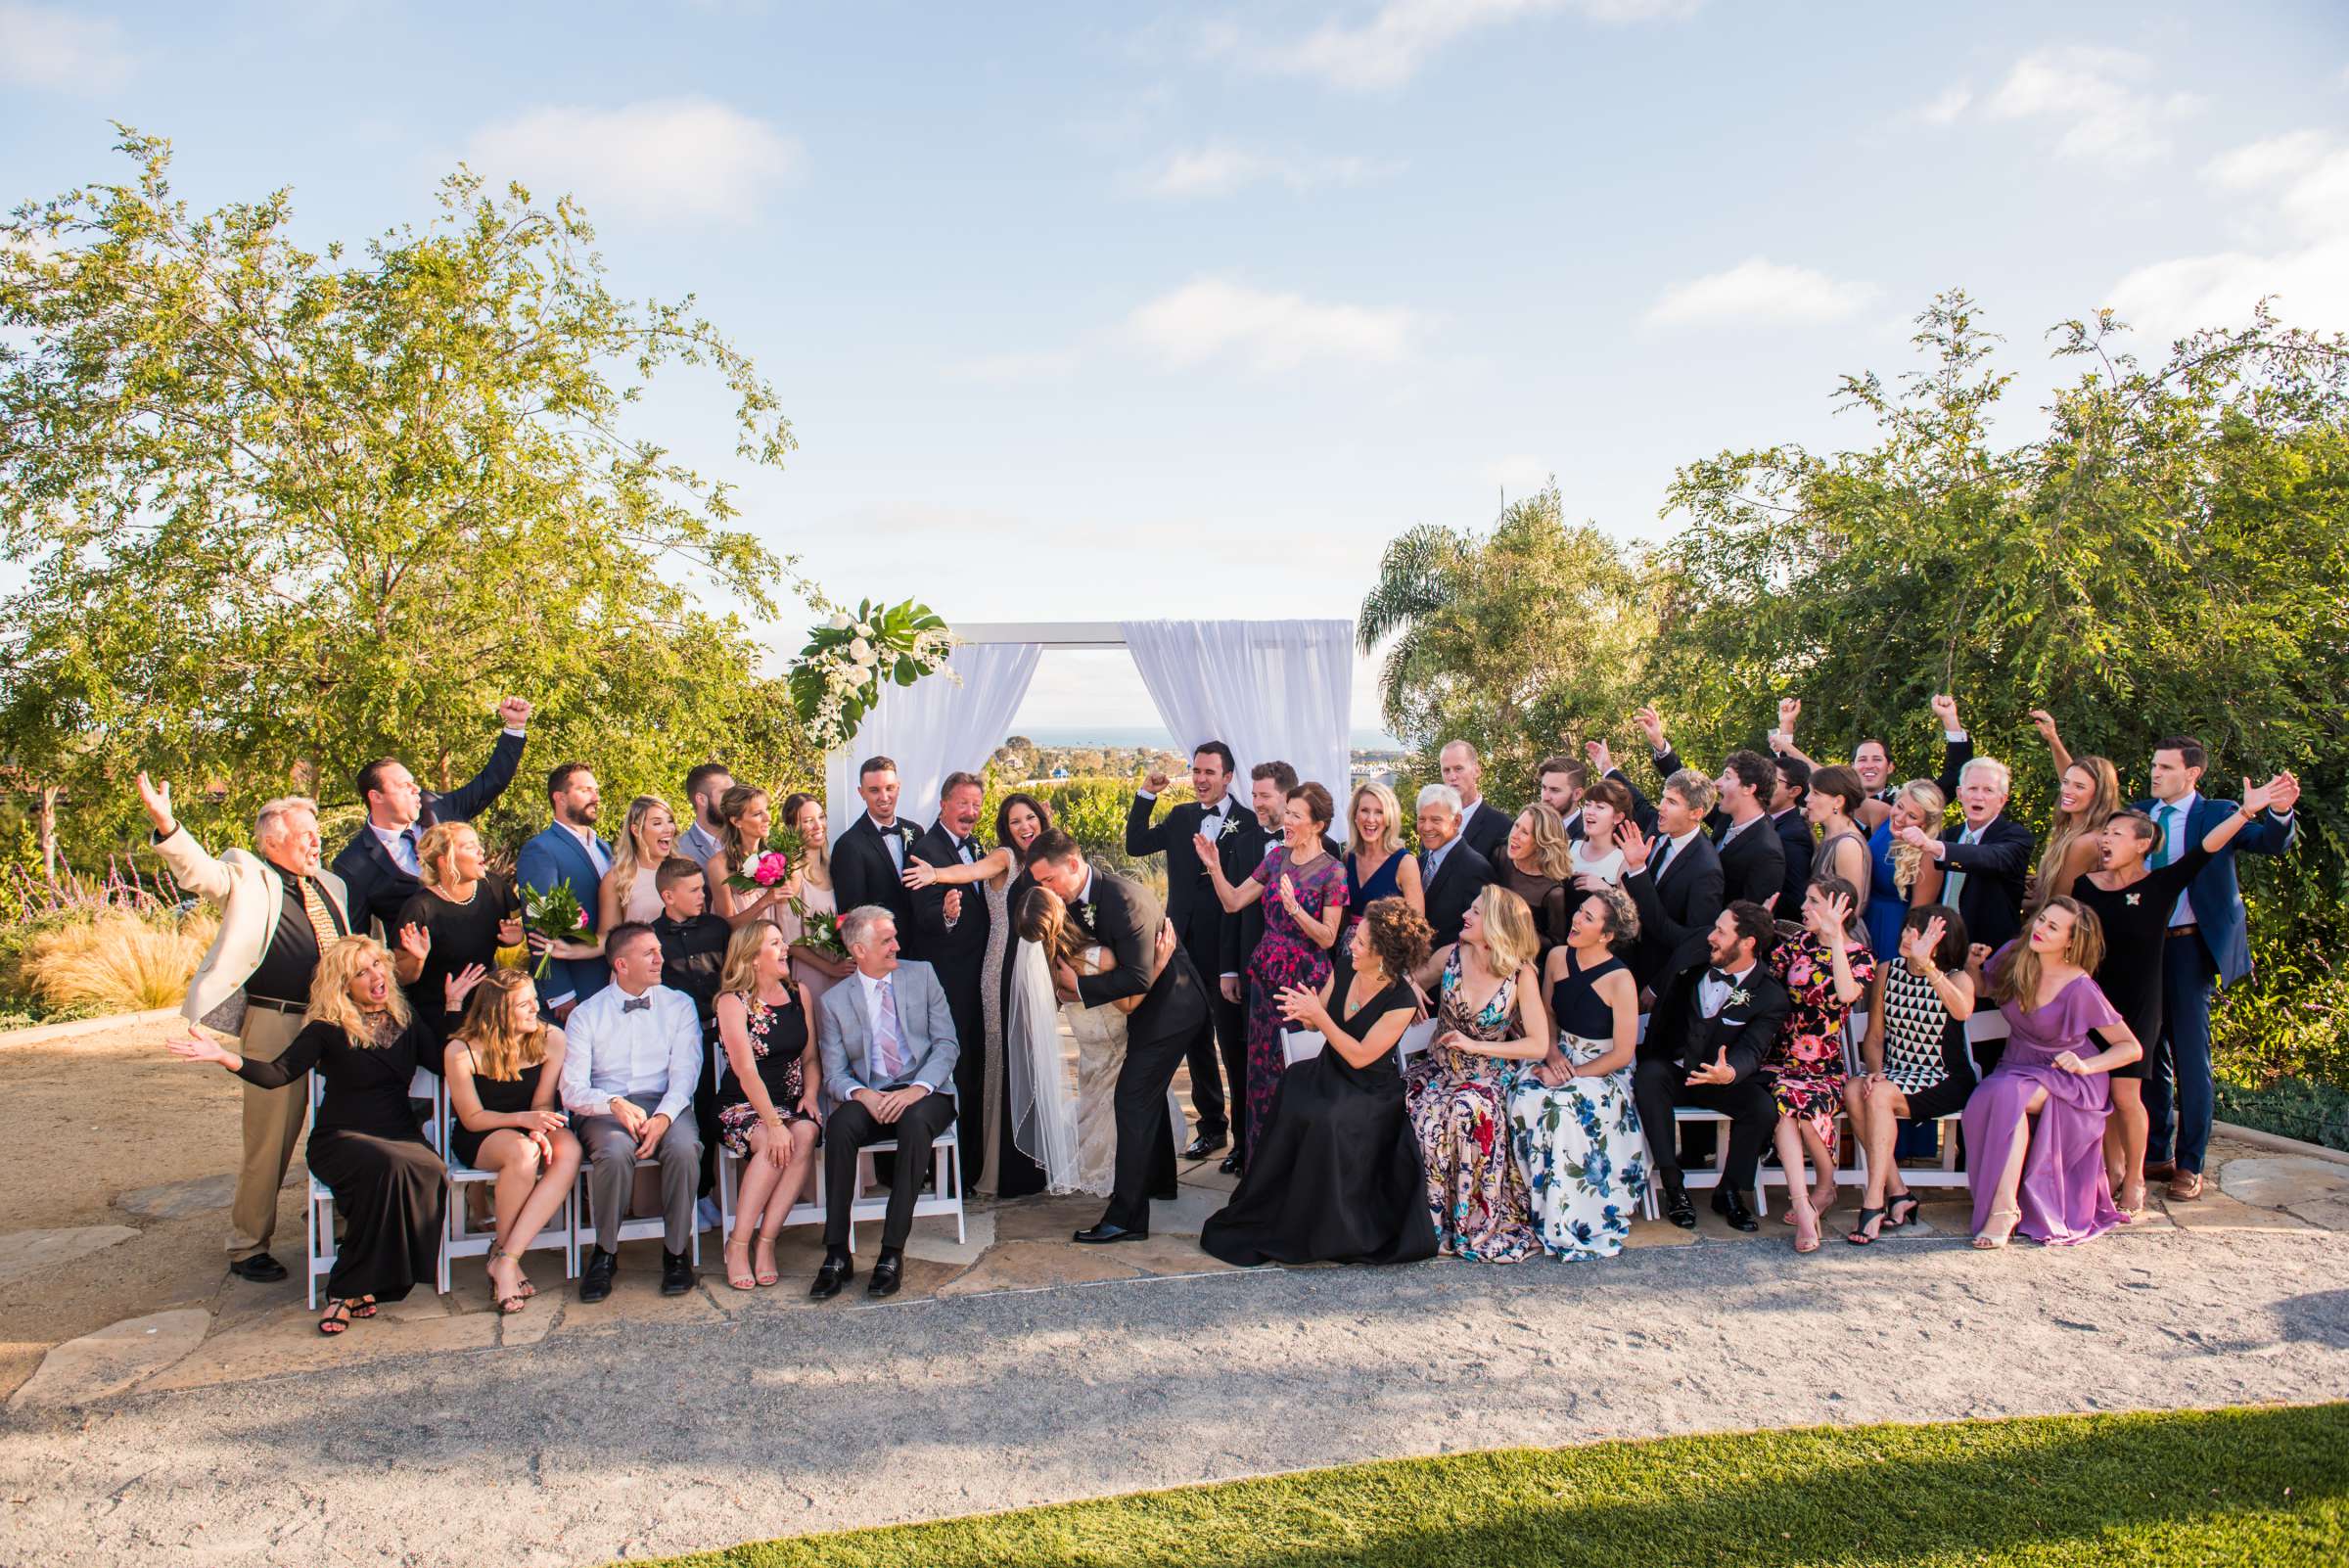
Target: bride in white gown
<point>1071,1131</point>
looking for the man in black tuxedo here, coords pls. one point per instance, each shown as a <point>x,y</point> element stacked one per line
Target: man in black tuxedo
<point>1452,873</point>
<point>1171,1022</point>
<point>1787,815</point>
<point>1986,865</point>
<point>1713,1027</point>
<point>869,860</point>
<point>1675,880</point>
<point>1483,826</point>
<point>950,926</point>
<point>1199,917</point>
<point>379,866</point>
<point>1753,858</point>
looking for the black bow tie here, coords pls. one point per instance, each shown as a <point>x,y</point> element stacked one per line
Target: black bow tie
<point>634,1002</point>
<point>1718,976</point>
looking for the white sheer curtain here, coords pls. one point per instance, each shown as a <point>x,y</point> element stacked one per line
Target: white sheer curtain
<point>1272,690</point>
<point>932,728</point>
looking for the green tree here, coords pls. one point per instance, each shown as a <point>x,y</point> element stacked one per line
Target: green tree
<point>281,511</point>
<point>1520,641</point>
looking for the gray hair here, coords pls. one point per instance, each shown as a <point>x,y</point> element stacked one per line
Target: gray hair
<point>856,926</point>
<point>270,819</point>
<point>1443,795</point>
<point>1988,764</point>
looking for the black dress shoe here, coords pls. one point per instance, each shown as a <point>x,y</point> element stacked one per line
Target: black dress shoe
<point>1232,1164</point>
<point>260,1268</point>
<point>676,1273</point>
<point>835,1273</point>
<point>1205,1144</point>
<point>1731,1206</point>
<point>887,1273</point>
<point>1677,1209</point>
<point>1104,1233</point>
<point>596,1283</point>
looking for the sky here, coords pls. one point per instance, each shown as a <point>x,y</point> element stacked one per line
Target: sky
<point>1107,311</point>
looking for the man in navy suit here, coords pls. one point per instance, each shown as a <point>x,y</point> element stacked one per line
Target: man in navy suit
<point>2207,948</point>
<point>1986,864</point>
<point>569,850</point>
<point>379,867</point>
<point>1450,869</point>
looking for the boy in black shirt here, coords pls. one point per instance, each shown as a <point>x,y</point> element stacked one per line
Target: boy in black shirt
<point>693,954</point>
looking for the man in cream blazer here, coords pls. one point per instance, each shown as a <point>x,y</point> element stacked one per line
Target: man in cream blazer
<point>277,909</point>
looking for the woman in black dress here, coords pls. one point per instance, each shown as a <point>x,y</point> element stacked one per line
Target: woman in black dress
<point>504,1070</point>
<point>1335,1176</point>
<point>459,918</point>
<point>364,1144</point>
<point>766,1103</point>
<point>2133,901</point>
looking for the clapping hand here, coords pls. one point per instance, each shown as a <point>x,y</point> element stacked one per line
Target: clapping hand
<point>1945,709</point>
<point>1635,846</point>
<point>457,985</point>
<point>1651,724</point>
<point>515,713</point>
<point>1288,896</point>
<point>193,1048</point>
<point>1299,1005</point>
<point>157,797</point>
<point>2283,794</point>
<point>1205,848</point>
<point>1721,1071</point>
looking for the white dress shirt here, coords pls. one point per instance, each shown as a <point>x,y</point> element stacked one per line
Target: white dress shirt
<point>872,985</point>
<point>892,838</point>
<point>1680,846</point>
<point>1712,996</point>
<point>613,1051</point>
<point>400,845</point>
<point>2174,831</point>
<point>594,848</point>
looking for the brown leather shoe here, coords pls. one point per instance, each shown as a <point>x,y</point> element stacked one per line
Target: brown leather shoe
<point>2185,1186</point>
<point>2161,1171</point>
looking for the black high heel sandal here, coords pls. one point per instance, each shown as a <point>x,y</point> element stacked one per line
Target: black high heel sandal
<point>1894,1220</point>
<point>1859,1235</point>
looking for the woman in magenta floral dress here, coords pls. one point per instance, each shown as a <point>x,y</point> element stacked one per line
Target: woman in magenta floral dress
<point>1825,968</point>
<point>1307,900</point>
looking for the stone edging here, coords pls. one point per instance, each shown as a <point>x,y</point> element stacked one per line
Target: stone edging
<point>2278,1142</point>
<point>41,1033</point>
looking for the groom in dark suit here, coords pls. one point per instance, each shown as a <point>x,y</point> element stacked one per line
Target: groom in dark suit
<point>1198,915</point>
<point>869,860</point>
<point>950,929</point>
<point>1170,1021</point>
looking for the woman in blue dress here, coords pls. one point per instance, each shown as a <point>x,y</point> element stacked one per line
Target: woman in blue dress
<point>1902,879</point>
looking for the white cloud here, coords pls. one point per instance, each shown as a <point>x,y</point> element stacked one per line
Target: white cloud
<point>660,158</point>
<point>1388,48</point>
<point>1220,169</point>
<point>44,46</point>
<point>1759,289</point>
<point>1212,318</point>
<point>2304,178</point>
<point>1947,108</point>
<point>2095,96</point>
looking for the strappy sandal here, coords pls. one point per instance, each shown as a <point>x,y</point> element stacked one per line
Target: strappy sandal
<point>1815,1236</point>
<point>2132,1213</point>
<point>1894,1220</point>
<point>336,1320</point>
<point>507,1306</point>
<point>1859,1235</point>
<point>361,1306</point>
<point>744,1280</point>
<point>1985,1241</point>
<point>767,1275</point>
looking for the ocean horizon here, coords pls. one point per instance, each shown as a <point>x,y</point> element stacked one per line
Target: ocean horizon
<point>1128,735</point>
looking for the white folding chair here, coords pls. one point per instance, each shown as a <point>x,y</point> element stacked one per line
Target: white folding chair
<point>808,1211</point>
<point>1417,1038</point>
<point>458,1238</point>
<point>1301,1046</point>
<point>943,1195</point>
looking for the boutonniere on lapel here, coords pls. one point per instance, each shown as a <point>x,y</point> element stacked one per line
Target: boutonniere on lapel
<point>1739,997</point>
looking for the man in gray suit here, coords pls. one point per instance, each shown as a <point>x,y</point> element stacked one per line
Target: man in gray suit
<point>887,1040</point>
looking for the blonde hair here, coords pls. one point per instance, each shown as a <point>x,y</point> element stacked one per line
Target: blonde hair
<point>1510,939</point>
<point>738,976</point>
<point>330,988</point>
<point>2069,828</point>
<point>1356,845</point>
<point>433,846</point>
<point>1906,859</point>
<point>500,1050</point>
<point>624,861</point>
<point>2016,980</point>
<point>1553,852</point>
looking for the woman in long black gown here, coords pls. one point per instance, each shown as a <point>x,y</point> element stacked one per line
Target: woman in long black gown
<point>1336,1176</point>
<point>2132,900</point>
<point>365,1043</point>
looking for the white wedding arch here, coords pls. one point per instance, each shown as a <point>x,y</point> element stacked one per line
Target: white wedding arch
<point>1268,689</point>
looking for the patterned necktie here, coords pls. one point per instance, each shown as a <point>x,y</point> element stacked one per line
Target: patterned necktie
<point>2169,836</point>
<point>322,917</point>
<point>1953,882</point>
<point>889,1055</point>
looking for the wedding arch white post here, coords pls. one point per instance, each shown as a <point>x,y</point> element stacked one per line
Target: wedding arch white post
<point>1268,689</point>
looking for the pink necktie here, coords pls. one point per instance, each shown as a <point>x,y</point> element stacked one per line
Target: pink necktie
<point>888,1053</point>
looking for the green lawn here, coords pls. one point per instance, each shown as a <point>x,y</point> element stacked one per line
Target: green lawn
<point>2261,1488</point>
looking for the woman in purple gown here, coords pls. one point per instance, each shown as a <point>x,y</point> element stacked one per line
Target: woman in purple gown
<point>2035,1127</point>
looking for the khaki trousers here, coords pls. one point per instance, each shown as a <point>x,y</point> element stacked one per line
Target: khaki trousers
<point>273,1123</point>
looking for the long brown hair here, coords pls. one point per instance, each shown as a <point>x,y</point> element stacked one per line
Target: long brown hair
<point>1043,919</point>
<point>730,806</point>
<point>500,1050</point>
<point>2070,827</point>
<point>816,859</point>
<point>2016,980</point>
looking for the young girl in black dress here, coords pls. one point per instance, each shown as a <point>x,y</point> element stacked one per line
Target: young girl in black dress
<point>504,1069</point>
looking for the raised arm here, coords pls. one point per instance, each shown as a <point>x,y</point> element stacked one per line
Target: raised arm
<point>474,796</point>
<point>920,873</point>
<point>2045,722</point>
<point>1958,746</point>
<point>192,864</point>
<point>1143,836</point>
<point>1233,899</point>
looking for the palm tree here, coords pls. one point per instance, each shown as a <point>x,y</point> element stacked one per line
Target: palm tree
<point>1418,578</point>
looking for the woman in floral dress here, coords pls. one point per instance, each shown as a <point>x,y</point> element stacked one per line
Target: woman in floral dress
<point>1826,968</point>
<point>1489,1023</point>
<point>1577,1131</point>
<point>1308,903</point>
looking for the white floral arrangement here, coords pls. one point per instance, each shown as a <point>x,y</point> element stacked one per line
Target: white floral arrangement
<point>839,676</point>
